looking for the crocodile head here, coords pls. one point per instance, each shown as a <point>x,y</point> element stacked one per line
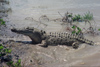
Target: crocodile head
<point>35,35</point>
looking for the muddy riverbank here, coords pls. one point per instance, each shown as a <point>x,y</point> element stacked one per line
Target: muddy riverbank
<point>27,13</point>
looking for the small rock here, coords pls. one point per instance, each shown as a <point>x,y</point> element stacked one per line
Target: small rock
<point>30,60</point>
<point>82,63</point>
<point>67,49</point>
<point>16,55</point>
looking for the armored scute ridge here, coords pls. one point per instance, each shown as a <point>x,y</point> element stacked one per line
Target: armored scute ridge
<point>55,38</point>
<point>65,39</point>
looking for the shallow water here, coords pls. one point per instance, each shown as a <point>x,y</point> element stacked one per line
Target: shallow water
<point>33,9</point>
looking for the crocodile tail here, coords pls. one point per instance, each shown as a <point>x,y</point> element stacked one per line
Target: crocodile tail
<point>86,41</point>
<point>89,42</point>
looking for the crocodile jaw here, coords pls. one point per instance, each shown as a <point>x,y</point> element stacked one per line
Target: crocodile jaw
<point>34,36</point>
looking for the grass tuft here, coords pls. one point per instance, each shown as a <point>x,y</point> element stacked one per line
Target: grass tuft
<point>88,16</point>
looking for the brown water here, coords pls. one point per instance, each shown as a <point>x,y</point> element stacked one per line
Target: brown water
<point>33,9</point>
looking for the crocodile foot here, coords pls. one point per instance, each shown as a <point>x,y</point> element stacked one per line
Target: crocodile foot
<point>75,45</point>
<point>45,46</point>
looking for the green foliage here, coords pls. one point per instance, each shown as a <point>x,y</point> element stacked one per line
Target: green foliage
<point>77,17</point>
<point>1,19</point>
<point>70,15</point>
<point>1,54</point>
<point>73,32</point>
<point>79,29</point>
<point>2,22</point>
<point>1,47</point>
<point>10,63</point>
<point>73,27</point>
<point>4,51</point>
<point>88,16</point>
<point>98,29</point>
<point>76,32</point>
<point>7,50</point>
<point>17,64</point>
<point>19,61</point>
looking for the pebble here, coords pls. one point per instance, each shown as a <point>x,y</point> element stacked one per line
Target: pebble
<point>82,63</point>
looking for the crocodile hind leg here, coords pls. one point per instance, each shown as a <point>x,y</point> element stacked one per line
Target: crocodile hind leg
<point>75,45</point>
<point>44,45</point>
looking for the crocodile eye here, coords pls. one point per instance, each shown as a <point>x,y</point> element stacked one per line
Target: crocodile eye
<point>50,32</point>
<point>41,31</point>
<point>30,28</point>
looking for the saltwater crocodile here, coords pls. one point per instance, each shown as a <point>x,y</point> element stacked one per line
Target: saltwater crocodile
<point>37,36</point>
